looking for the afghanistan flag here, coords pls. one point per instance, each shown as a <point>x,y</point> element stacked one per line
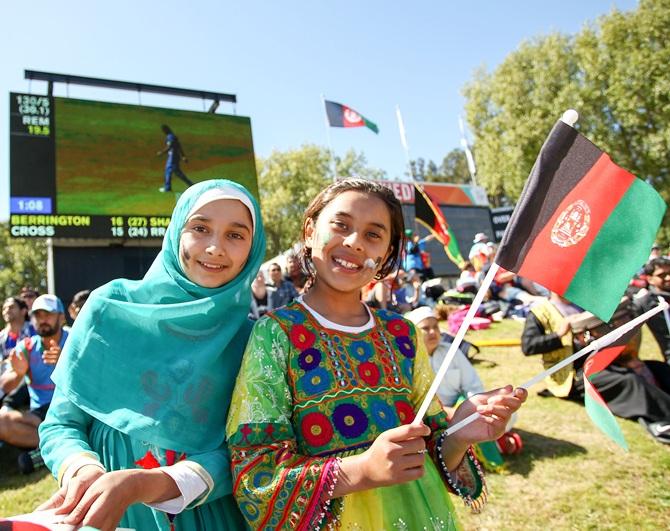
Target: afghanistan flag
<point>586,327</point>
<point>428,213</point>
<point>595,406</point>
<point>583,226</point>
<point>342,116</point>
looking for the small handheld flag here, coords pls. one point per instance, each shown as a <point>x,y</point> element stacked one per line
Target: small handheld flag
<point>583,226</point>
<point>429,214</point>
<point>343,116</point>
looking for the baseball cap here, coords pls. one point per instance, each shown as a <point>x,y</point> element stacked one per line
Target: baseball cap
<point>480,237</point>
<point>48,303</point>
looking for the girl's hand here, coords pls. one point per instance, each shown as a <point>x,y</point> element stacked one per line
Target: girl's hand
<point>105,501</point>
<point>495,407</point>
<point>396,456</point>
<point>68,496</point>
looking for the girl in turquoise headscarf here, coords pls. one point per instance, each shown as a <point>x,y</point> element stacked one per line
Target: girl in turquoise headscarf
<point>135,431</point>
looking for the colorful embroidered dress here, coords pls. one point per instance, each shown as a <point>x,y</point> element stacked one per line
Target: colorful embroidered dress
<point>309,393</point>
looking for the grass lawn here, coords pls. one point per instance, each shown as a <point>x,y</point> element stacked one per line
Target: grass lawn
<point>569,475</point>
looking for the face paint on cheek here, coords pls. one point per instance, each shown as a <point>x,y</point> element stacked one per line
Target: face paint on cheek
<point>322,238</point>
<point>185,256</point>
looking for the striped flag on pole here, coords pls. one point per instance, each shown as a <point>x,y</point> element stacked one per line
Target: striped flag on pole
<point>343,116</point>
<point>428,213</point>
<point>583,226</point>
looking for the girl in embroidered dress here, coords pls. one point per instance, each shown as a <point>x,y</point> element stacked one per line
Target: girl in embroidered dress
<point>320,426</point>
<point>135,431</point>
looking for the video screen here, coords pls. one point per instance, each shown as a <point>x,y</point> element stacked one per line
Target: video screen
<point>89,169</point>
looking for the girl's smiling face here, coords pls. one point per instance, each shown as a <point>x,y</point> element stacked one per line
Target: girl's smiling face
<point>352,228</point>
<point>215,242</point>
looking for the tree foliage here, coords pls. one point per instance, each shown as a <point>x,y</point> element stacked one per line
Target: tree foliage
<point>613,72</point>
<point>453,169</point>
<point>23,262</point>
<point>289,180</point>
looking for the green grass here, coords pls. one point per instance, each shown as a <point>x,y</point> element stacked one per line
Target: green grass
<point>568,477</point>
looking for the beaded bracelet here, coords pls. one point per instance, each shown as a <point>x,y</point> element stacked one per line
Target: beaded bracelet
<point>474,504</point>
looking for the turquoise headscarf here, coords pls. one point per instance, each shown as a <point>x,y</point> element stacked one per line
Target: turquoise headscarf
<point>157,358</point>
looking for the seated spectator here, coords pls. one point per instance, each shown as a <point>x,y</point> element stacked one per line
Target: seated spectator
<point>377,294</point>
<point>29,294</point>
<point>77,303</point>
<point>623,385</point>
<point>460,382</point>
<point>280,290</point>
<point>15,315</point>
<point>294,272</point>
<point>259,300</point>
<point>657,273</point>
<point>402,292</point>
<point>33,359</point>
<point>467,281</point>
<point>480,253</point>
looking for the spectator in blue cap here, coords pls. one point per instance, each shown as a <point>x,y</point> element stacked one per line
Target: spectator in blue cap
<point>33,359</point>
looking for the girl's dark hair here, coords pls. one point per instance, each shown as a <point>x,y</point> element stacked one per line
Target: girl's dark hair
<point>376,189</point>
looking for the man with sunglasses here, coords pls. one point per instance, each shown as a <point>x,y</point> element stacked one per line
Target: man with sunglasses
<point>657,272</point>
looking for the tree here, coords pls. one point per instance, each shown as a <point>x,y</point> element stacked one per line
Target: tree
<point>289,180</point>
<point>23,262</point>
<point>613,72</point>
<point>454,169</point>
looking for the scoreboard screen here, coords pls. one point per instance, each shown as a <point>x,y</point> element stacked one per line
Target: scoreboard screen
<point>90,169</point>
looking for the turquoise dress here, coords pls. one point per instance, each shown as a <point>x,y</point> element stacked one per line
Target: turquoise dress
<point>146,376</point>
<point>69,432</point>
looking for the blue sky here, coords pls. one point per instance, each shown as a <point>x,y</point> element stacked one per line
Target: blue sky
<point>279,57</point>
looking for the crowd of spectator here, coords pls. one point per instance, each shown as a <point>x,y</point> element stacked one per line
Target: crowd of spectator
<point>31,341</point>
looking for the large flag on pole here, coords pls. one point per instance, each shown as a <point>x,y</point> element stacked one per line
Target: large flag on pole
<point>428,213</point>
<point>583,226</point>
<point>343,116</point>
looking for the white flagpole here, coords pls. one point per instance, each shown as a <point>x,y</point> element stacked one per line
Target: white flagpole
<point>598,344</point>
<point>468,154</point>
<point>330,145</point>
<point>403,139</point>
<point>457,341</point>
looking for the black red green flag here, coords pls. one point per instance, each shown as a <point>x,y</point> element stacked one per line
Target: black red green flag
<point>583,226</point>
<point>428,213</point>
<point>343,116</point>
<point>595,405</point>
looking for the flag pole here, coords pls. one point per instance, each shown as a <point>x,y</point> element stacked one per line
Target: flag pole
<point>468,154</point>
<point>403,140</point>
<point>469,316</point>
<point>597,344</point>
<point>330,145</point>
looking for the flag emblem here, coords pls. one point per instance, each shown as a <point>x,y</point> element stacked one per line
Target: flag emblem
<point>572,224</point>
<point>352,118</point>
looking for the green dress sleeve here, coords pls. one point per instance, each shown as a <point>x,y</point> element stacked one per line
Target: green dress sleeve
<point>467,481</point>
<point>63,435</point>
<point>275,486</point>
